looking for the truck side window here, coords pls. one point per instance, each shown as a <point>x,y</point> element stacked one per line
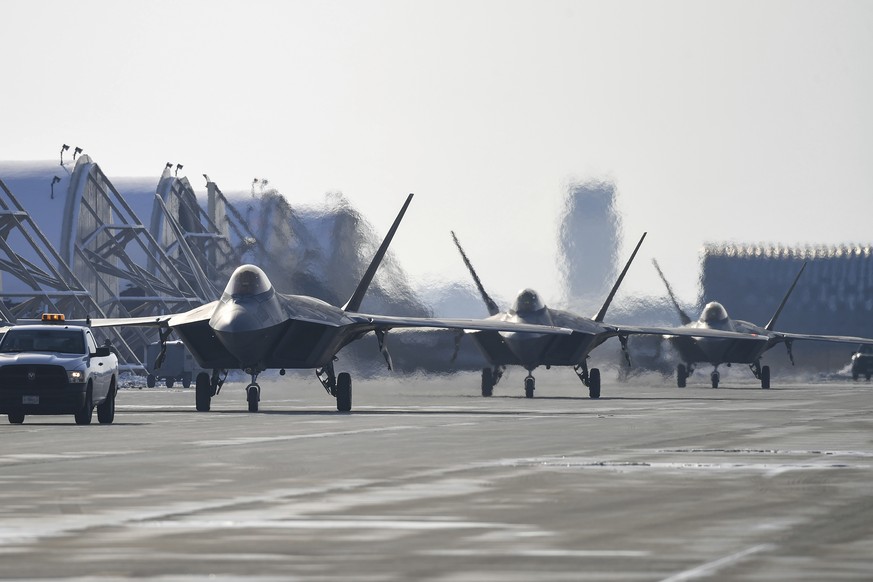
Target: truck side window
<point>92,345</point>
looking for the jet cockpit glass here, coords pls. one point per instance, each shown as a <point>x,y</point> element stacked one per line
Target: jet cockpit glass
<point>527,301</point>
<point>247,281</point>
<point>714,312</point>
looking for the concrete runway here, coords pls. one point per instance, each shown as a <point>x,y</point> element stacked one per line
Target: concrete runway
<point>425,480</point>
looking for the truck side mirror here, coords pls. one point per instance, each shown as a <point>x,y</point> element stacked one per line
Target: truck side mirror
<point>102,352</point>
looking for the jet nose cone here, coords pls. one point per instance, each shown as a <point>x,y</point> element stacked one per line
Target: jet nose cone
<point>233,317</point>
<point>246,332</point>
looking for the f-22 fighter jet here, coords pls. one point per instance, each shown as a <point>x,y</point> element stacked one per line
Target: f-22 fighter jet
<point>252,327</point>
<point>715,351</point>
<point>531,350</point>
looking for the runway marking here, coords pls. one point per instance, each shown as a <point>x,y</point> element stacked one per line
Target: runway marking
<point>135,407</point>
<point>293,437</point>
<point>772,452</point>
<point>13,458</point>
<point>711,568</point>
<point>585,463</point>
<point>322,524</point>
<point>540,553</point>
<point>26,530</point>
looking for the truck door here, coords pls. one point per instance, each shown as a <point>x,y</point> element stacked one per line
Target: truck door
<point>99,369</point>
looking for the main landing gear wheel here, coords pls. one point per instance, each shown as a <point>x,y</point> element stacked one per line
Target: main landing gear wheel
<point>487,382</point>
<point>529,386</point>
<point>253,396</point>
<point>203,392</point>
<point>765,377</point>
<point>15,417</point>
<point>681,375</point>
<point>151,381</point>
<point>594,383</point>
<point>344,392</point>
<point>715,377</point>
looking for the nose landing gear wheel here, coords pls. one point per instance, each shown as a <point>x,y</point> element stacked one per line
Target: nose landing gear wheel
<point>529,387</point>
<point>487,382</point>
<point>715,378</point>
<point>253,396</point>
<point>681,375</point>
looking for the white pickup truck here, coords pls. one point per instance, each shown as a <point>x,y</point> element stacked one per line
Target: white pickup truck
<point>56,368</point>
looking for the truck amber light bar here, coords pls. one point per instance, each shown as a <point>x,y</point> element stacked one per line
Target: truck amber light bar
<point>52,317</point>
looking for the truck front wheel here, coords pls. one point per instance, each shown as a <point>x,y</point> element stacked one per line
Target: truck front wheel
<point>106,410</point>
<point>83,415</point>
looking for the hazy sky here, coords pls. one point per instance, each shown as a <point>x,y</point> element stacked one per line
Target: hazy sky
<point>743,121</point>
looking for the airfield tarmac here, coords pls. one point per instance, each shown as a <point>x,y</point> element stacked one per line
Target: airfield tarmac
<point>426,480</point>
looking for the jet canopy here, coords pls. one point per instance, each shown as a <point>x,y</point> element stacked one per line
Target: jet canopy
<point>714,312</point>
<point>527,301</point>
<point>247,281</point>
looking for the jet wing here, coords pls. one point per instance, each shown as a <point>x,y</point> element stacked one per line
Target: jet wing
<point>847,339</point>
<point>387,322</point>
<point>202,313</point>
<point>147,321</point>
<point>686,332</point>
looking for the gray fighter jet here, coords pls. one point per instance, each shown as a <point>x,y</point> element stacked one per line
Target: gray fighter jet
<point>531,350</point>
<point>715,351</point>
<point>253,328</point>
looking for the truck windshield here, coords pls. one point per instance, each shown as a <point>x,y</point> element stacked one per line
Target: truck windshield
<point>65,341</point>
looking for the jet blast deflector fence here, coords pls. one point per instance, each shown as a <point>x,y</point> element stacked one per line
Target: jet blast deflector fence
<point>27,255</point>
<point>833,296</point>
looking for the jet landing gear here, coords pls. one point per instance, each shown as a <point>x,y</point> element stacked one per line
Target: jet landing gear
<point>490,378</point>
<point>714,378</point>
<point>253,393</point>
<point>205,388</point>
<point>761,373</point>
<point>337,385</point>
<point>682,373</point>
<point>589,378</point>
<point>530,384</point>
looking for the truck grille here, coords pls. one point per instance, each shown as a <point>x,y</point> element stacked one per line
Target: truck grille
<point>37,377</point>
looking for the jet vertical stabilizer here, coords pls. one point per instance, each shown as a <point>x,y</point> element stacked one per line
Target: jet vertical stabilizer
<point>489,303</point>
<point>602,313</point>
<point>772,321</point>
<point>683,317</point>
<point>354,302</point>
